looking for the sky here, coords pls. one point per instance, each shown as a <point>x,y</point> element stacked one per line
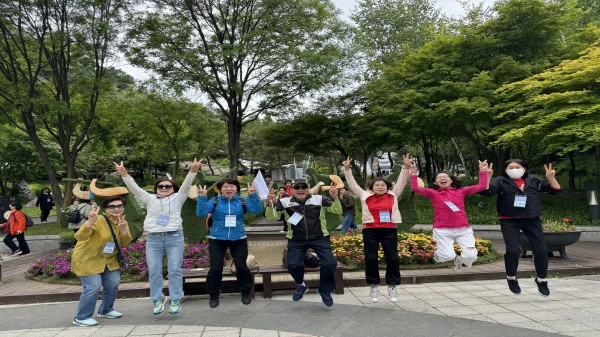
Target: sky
<point>449,7</point>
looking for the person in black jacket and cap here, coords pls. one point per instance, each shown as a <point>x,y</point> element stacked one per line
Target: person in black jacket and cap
<point>519,209</point>
<point>45,201</point>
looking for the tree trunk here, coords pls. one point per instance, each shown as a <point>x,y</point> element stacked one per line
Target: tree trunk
<point>234,131</point>
<point>461,156</point>
<point>571,172</point>
<point>212,171</point>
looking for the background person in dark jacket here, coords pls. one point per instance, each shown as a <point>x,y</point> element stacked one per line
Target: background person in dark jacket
<point>306,215</point>
<point>348,211</point>
<point>45,201</point>
<point>519,209</point>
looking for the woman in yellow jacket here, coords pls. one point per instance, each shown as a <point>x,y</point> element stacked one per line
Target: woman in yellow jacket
<point>95,260</point>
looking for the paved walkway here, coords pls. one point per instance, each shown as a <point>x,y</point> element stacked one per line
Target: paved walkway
<point>480,308</point>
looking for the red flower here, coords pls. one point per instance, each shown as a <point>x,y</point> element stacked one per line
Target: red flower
<point>566,220</point>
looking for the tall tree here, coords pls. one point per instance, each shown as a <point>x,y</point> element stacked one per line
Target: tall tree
<point>53,60</point>
<point>246,56</point>
<point>388,29</point>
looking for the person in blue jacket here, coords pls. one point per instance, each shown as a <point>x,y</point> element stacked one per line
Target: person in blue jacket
<point>227,231</point>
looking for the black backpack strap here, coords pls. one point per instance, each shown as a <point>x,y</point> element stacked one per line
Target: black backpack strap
<point>243,202</point>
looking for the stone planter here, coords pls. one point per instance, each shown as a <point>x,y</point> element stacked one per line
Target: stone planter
<point>556,241</point>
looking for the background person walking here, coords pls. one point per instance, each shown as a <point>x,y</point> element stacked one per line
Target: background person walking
<point>45,201</point>
<point>15,228</point>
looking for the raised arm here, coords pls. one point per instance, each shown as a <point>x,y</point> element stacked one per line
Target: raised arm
<point>131,184</point>
<point>403,176</point>
<point>182,194</point>
<point>350,178</point>
<point>254,204</point>
<point>414,183</point>
<point>484,182</point>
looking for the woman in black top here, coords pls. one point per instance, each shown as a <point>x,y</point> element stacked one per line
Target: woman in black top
<point>519,209</point>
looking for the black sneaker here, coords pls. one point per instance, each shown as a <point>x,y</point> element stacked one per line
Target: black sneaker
<point>326,297</point>
<point>300,291</point>
<point>246,299</point>
<point>542,288</point>
<point>513,285</point>
<point>214,301</point>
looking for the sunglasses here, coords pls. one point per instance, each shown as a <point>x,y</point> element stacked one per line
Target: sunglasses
<point>119,206</point>
<point>164,187</point>
<point>300,187</point>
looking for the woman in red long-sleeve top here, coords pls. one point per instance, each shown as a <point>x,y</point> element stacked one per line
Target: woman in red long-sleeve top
<point>16,228</point>
<point>450,222</point>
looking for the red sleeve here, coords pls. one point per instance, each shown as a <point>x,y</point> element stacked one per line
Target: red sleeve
<point>20,224</point>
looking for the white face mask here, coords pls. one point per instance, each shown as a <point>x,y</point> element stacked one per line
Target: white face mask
<point>515,173</point>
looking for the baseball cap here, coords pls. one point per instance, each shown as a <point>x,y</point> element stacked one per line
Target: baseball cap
<point>300,181</point>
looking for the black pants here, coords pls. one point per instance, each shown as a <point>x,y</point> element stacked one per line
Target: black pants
<point>8,241</point>
<point>322,247</point>
<point>532,228</point>
<point>45,213</point>
<point>285,224</point>
<point>239,252</point>
<point>388,237</point>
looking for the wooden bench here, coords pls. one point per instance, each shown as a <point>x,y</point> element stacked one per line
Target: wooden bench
<point>194,288</point>
<point>267,271</point>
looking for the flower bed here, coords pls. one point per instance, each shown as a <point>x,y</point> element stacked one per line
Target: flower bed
<point>413,248</point>
<point>58,266</point>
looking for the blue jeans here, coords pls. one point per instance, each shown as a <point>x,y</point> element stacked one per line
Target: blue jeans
<point>109,282</point>
<point>348,223</point>
<point>156,246</point>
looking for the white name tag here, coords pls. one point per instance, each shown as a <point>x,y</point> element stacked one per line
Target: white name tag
<point>294,219</point>
<point>109,248</point>
<point>520,201</point>
<point>230,221</point>
<point>384,216</point>
<point>452,206</point>
<point>162,220</point>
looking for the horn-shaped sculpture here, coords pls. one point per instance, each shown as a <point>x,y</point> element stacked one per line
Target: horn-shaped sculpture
<point>337,180</point>
<point>107,192</point>
<point>79,194</point>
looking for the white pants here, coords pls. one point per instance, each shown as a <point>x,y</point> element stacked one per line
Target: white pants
<point>445,238</point>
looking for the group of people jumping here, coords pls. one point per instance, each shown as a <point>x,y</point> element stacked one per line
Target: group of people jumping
<point>95,258</point>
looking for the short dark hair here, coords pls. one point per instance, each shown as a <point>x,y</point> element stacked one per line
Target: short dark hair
<point>229,181</point>
<point>456,183</point>
<point>372,182</point>
<point>175,185</point>
<point>108,200</point>
<point>17,205</point>
<point>516,161</point>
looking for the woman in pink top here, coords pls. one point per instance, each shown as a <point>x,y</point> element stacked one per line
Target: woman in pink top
<point>450,222</point>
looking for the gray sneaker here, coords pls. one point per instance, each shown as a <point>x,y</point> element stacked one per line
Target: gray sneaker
<point>374,294</point>
<point>393,294</point>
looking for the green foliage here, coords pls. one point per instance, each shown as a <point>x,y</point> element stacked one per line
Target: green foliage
<point>67,237</point>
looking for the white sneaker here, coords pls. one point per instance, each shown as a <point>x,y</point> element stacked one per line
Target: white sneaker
<point>393,294</point>
<point>374,294</point>
<point>456,265</point>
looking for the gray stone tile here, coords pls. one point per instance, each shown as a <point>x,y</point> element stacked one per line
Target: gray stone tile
<point>258,333</point>
<point>519,307</point>
<point>508,317</point>
<point>78,332</point>
<point>442,303</point>
<point>471,301</point>
<point>145,330</point>
<point>457,311</point>
<point>109,331</point>
<point>482,318</point>
<point>567,325</point>
<point>533,326</point>
<point>185,328</point>
<point>488,308</point>
<point>542,315</point>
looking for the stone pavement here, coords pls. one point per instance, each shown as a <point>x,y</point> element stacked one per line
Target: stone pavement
<point>483,308</point>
